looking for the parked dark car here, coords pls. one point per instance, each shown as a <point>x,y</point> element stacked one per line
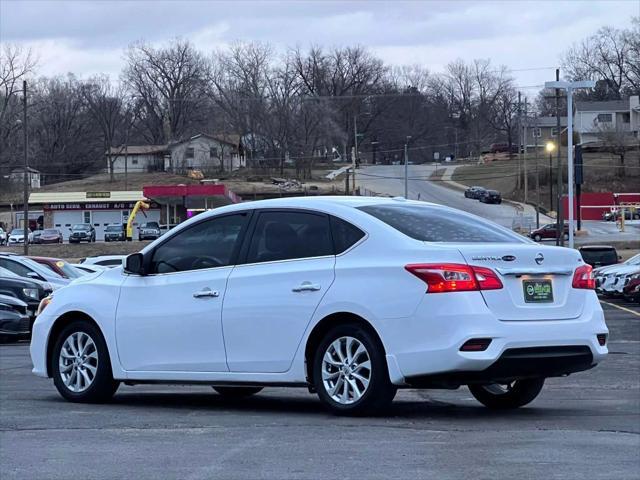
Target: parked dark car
<point>149,231</point>
<point>474,192</point>
<point>599,255</point>
<point>48,235</point>
<point>59,266</point>
<point>29,292</point>
<point>115,233</point>
<point>14,319</point>
<point>548,231</point>
<point>82,232</point>
<point>490,196</point>
<point>629,214</point>
<point>503,148</point>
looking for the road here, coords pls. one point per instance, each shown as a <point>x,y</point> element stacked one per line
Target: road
<point>583,426</point>
<point>389,180</point>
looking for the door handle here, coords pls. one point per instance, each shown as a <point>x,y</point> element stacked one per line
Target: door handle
<point>306,287</point>
<point>206,292</point>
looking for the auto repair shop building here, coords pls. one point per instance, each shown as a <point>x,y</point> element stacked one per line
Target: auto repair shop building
<point>61,210</point>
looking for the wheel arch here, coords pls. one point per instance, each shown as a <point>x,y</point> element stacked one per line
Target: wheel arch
<point>60,323</point>
<point>327,323</point>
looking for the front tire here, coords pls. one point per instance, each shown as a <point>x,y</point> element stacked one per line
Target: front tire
<point>81,365</point>
<point>537,238</point>
<point>504,397</point>
<point>237,392</point>
<point>350,372</point>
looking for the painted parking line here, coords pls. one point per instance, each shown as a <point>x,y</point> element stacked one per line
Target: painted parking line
<point>628,310</point>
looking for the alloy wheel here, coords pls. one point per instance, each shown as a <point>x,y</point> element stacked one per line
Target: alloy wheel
<point>346,370</point>
<point>78,362</point>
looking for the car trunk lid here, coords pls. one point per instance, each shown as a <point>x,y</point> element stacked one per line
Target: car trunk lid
<point>537,281</point>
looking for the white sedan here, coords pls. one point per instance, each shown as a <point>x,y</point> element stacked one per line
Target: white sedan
<point>352,297</point>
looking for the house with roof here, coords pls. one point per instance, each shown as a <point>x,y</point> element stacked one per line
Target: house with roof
<point>33,176</point>
<point>540,130</point>
<point>591,119</point>
<point>209,153</point>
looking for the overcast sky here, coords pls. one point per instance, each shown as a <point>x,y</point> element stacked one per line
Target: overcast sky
<point>87,37</point>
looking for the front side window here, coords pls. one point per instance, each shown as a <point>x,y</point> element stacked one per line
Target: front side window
<point>208,244</point>
<point>290,235</point>
<point>434,224</point>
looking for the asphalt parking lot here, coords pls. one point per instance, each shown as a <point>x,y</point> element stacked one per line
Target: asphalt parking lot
<point>583,426</point>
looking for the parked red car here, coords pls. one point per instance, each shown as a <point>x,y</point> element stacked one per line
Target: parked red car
<point>59,266</point>
<point>548,231</point>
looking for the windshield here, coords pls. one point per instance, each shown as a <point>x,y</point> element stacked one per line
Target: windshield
<point>80,226</point>
<point>114,228</point>
<point>635,260</point>
<point>435,224</point>
<point>17,231</point>
<point>150,225</point>
<point>41,269</point>
<point>50,232</point>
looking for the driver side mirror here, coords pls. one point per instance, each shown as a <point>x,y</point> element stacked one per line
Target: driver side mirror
<point>34,275</point>
<point>134,264</point>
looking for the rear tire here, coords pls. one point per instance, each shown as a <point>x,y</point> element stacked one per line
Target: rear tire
<point>350,372</point>
<point>515,395</point>
<point>237,392</point>
<point>86,356</point>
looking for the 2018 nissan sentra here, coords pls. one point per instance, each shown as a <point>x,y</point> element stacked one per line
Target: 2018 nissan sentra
<point>351,297</point>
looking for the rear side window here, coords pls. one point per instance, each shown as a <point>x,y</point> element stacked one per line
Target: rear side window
<point>289,235</point>
<point>433,224</point>
<point>345,235</point>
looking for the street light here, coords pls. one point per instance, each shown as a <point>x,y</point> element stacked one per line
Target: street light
<point>550,147</point>
<point>570,87</point>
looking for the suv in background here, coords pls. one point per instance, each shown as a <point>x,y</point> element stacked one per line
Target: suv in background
<point>149,231</point>
<point>114,233</point>
<point>82,232</point>
<point>599,255</point>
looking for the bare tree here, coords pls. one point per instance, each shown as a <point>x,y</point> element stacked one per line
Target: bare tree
<point>616,141</point>
<point>611,58</point>
<point>107,106</point>
<point>168,86</point>
<point>16,64</point>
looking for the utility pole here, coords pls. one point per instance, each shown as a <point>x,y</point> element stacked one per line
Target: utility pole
<point>126,165</point>
<point>406,168</point>
<point>535,147</point>
<point>518,184</point>
<point>25,175</point>
<point>524,141</point>
<point>354,160</point>
<point>559,188</point>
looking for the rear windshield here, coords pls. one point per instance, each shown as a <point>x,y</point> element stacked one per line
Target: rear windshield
<point>434,224</point>
<point>599,255</point>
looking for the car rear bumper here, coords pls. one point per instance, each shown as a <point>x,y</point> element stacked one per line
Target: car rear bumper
<point>429,343</point>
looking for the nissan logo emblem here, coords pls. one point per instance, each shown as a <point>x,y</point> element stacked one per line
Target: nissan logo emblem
<point>539,258</point>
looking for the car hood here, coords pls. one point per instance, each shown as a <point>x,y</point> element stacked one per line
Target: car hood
<point>13,301</point>
<point>623,270</point>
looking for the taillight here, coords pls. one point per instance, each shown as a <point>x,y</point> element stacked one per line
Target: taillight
<point>454,277</point>
<point>583,278</point>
